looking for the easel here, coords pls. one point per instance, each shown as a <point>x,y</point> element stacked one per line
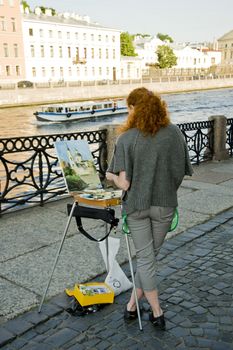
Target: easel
<point>103,203</point>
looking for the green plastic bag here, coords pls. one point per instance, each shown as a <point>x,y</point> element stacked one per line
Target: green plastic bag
<point>174,224</point>
<point>125,227</point>
<point>175,221</point>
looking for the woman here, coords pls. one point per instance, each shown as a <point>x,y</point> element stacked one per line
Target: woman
<point>149,163</point>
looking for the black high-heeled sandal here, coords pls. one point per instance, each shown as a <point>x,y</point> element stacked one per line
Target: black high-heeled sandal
<point>158,321</point>
<point>130,315</point>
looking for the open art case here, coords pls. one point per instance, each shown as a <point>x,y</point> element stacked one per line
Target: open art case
<point>79,172</point>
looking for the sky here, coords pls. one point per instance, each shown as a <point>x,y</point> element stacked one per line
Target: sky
<point>183,20</point>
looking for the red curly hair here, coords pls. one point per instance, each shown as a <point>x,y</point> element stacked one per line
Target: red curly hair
<point>150,112</point>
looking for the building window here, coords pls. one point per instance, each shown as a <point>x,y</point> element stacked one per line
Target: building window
<point>225,55</point>
<point>68,35</point>
<point>30,30</point>
<point>52,71</point>
<point>85,71</point>
<point>92,37</point>
<point>107,53</point>
<point>225,45</point>
<point>85,52</point>
<point>51,51</point>
<point>61,72</point>
<point>100,70</point>
<point>41,33</point>
<point>43,72</point>
<point>13,25</point>
<point>77,54</point>
<point>113,53</point>
<point>17,70</point>
<point>113,38</point>
<point>107,70</point>
<point>93,71</point>
<point>78,71</point>
<point>50,33</point>
<point>5,49</point>
<point>92,52</point>
<point>8,70</point>
<point>32,51</point>
<point>70,71</point>
<point>2,23</point>
<point>59,34</point>
<point>69,51</point>
<point>84,36</point>
<point>60,51</point>
<point>99,37</point>
<point>106,38</point>
<point>100,53</point>
<point>195,61</point>
<point>34,71</point>
<point>16,50</point>
<point>76,36</point>
<point>42,50</point>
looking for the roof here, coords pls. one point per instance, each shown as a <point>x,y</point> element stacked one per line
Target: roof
<point>63,20</point>
<point>227,36</point>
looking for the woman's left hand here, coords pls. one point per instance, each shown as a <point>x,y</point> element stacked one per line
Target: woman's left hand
<point>109,176</point>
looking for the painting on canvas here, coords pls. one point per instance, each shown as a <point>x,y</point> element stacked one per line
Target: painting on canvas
<point>77,165</point>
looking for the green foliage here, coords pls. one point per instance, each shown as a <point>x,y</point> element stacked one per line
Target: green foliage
<point>43,9</point>
<point>165,37</point>
<point>127,47</point>
<point>25,4</point>
<point>142,35</point>
<point>166,57</point>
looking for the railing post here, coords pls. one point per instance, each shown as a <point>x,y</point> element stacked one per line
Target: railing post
<point>111,140</point>
<point>219,137</point>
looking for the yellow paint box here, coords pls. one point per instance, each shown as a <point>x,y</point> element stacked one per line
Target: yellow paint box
<point>92,293</point>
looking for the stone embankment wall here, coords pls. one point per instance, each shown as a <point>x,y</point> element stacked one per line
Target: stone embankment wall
<point>61,94</point>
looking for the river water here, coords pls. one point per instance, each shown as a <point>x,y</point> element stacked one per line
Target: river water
<point>183,108</point>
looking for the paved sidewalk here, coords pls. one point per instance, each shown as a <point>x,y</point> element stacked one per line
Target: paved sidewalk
<point>196,287</point>
<point>195,271</point>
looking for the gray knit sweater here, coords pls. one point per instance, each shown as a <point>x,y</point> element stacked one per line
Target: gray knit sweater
<point>154,165</point>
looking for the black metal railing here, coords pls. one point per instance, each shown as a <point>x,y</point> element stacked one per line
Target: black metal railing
<point>30,174</point>
<point>229,136</point>
<point>199,138</point>
<point>29,171</point>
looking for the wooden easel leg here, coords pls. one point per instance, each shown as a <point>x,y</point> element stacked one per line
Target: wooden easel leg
<point>57,256</point>
<point>133,280</point>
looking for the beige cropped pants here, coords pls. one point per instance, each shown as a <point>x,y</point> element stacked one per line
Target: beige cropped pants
<point>148,229</point>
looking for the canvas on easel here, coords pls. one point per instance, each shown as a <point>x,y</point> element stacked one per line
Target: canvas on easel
<point>77,165</point>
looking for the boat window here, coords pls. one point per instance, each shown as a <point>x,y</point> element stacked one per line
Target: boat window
<point>59,109</point>
<point>107,105</point>
<point>72,109</point>
<point>50,109</point>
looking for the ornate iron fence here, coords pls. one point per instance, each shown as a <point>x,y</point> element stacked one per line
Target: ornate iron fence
<point>229,137</point>
<point>199,137</point>
<point>29,171</point>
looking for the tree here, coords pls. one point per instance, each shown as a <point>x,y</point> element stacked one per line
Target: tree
<point>166,57</point>
<point>43,9</point>
<point>165,37</point>
<point>127,47</point>
<point>25,5</point>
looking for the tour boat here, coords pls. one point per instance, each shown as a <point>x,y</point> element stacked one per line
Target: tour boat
<point>81,110</point>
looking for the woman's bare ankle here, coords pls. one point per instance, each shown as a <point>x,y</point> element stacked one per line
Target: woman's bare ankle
<point>131,307</point>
